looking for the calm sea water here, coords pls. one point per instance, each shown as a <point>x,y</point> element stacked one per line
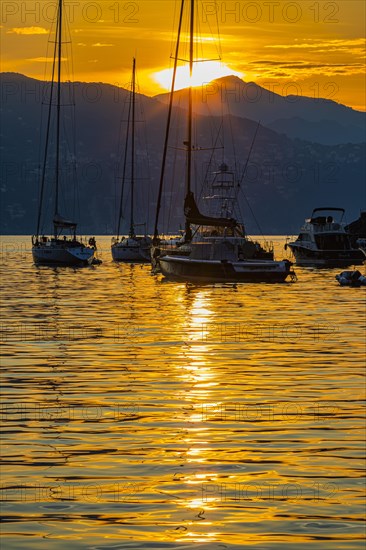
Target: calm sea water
<point>139,413</point>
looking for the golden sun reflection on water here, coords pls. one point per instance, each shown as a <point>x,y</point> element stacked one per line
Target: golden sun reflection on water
<point>141,413</point>
<point>198,371</point>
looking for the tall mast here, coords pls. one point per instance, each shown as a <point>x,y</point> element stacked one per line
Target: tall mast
<point>124,169</point>
<point>132,225</point>
<point>57,167</point>
<point>188,232</point>
<point>46,145</point>
<point>162,172</point>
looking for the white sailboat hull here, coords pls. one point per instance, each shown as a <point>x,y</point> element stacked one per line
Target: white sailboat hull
<point>62,255</point>
<point>132,250</point>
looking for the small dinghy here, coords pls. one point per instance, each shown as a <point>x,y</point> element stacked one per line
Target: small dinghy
<point>96,261</point>
<point>351,278</point>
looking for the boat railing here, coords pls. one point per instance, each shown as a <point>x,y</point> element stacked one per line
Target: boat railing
<point>168,243</point>
<point>268,246</point>
<point>329,227</point>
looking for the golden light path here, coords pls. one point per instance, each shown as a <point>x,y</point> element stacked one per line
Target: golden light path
<point>200,378</point>
<point>203,72</point>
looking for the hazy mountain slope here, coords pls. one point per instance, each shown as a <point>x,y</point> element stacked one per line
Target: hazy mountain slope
<point>286,177</point>
<point>315,119</point>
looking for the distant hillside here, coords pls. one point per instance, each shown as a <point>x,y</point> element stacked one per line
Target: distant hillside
<point>313,119</point>
<point>286,177</point>
<point>327,132</point>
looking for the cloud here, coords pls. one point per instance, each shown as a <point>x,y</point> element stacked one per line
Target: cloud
<point>300,64</point>
<point>27,30</point>
<point>303,68</point>
<point>99,45</point>
<point>44,59</point>
<point>355,45</point>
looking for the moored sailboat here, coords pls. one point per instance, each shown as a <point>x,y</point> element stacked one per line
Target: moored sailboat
<point>220,250</point>
<point>133,248</point>
<point>58,249</point>
<point>216,248</point>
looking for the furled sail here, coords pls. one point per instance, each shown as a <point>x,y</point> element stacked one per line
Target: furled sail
<point>62,223</point>
<point>194,216</point>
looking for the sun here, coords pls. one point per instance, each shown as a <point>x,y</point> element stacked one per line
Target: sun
<point>203,72</point>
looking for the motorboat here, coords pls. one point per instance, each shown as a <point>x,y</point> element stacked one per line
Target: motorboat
<point>324,242</point>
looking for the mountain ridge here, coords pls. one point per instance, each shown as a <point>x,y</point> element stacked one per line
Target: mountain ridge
<point>250,100</point>
<point>286,177</point>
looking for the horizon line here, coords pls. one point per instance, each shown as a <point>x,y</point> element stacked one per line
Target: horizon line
<point>358,108</point>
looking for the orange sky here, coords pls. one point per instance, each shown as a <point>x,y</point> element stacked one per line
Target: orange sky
<point>313,48</point>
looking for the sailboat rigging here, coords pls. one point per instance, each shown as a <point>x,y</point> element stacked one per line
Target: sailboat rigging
<point>218,250</point>
<point>133,248</point>
<point>66,251</point>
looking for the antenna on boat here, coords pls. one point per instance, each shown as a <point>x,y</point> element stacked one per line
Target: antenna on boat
<point>243,175</point>
<point>250,153</point>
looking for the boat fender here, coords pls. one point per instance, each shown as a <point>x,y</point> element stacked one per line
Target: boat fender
<point>343,281</point>
<point>351,278</point>
<point>355,275</point>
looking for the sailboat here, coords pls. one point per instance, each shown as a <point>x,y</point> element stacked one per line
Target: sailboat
<point>133,248</point>
<point>58,249</point>
<point>218,250</point>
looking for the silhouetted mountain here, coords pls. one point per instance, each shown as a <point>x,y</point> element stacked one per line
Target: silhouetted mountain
<point>327,132</point>
<point>313,119</point>
<point>286,178</point>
